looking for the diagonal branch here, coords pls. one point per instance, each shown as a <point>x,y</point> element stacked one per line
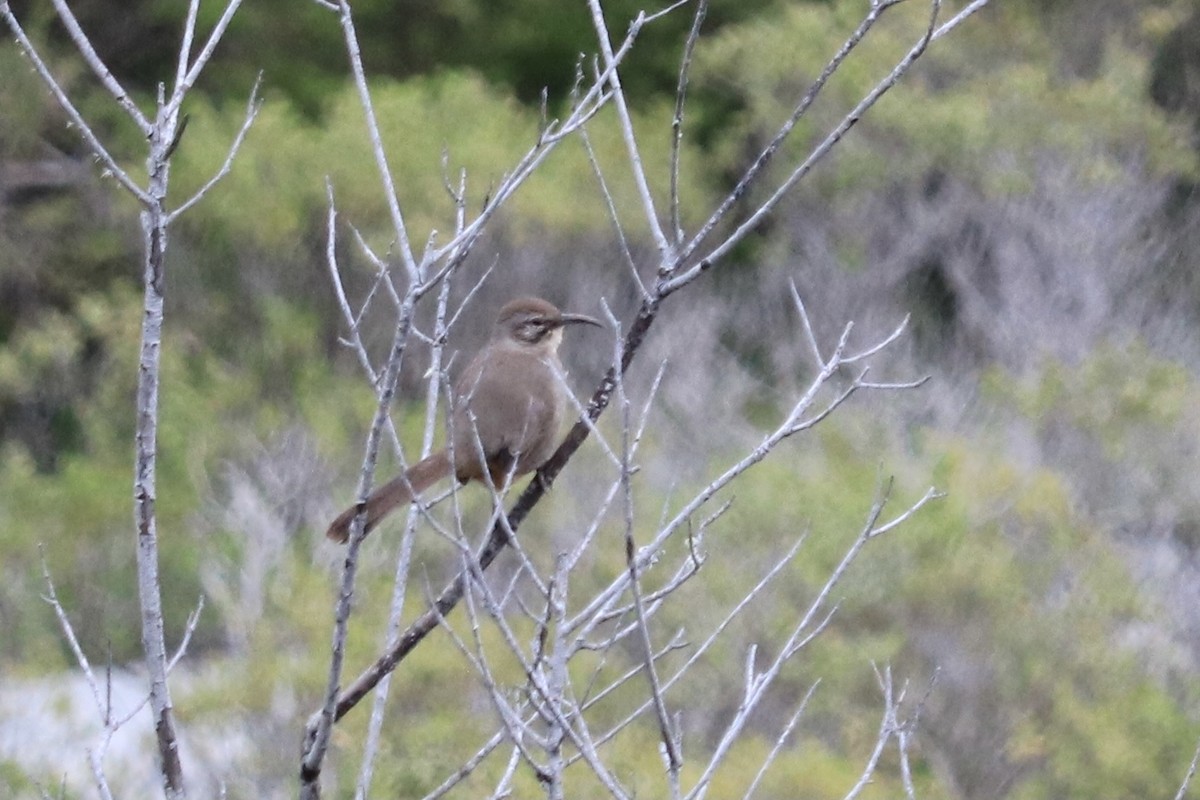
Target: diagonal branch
<point>184,82</point>
<point>707,261</point>
<point>1191,773</point>
<point>97,65</point>
<point>849,121</point>
<point>381,161</point>
<point>253,105</point>
<point>503,529</point>
<point>93,141</point>
<point>768,153</point>
<point>499,537</point>
<point>685,64</point>
<point>668,736</point>
<point>665,249</point>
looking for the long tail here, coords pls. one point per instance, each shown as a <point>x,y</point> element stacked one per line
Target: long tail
<point>394,493</point>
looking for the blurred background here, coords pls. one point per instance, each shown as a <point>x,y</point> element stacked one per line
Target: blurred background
<point>1028,195</point>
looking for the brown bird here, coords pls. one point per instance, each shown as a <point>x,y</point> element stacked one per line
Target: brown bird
<point>508,406</point>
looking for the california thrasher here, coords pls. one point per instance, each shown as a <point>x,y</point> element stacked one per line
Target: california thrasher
<point>508,406</point>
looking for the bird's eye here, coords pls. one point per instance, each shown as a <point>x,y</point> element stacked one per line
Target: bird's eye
<point>532,329</point>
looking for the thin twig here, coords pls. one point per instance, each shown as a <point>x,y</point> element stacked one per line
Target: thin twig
<point>97,65</point>
<point>381,161</point>
<point>665,248</point>
<point>182,86</point>
<point>820,151</point>
<point>718,252</point>
<point>400,579</point>
<point>553,713</point>
<point>558,681</point>
<point>355,342</point>
<point>253,106</point>
<point>1191,773</point>
<point>185,46</point>
<point>611,206</point>
<point>780,740</point>
<point>68,630</point>
<point>886,727</point>
<point>685,64</point>
<point>317,732</point>
<point>668,736</point>
<point>809,336</point>
<point>93,141</point>
<point>801,634</point>
<point>710,640</point>
<point>755,171</point>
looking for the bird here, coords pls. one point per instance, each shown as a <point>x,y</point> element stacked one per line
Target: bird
<point>507,408</point>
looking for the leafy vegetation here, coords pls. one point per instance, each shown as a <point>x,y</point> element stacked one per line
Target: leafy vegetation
<point>1029,195</point>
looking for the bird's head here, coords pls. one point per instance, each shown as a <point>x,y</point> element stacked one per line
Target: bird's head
<point>534,322</point>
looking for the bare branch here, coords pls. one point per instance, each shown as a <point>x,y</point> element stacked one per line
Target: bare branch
<point>704,646</point>
<point>880,345</point>
<point>218,32</point>
<point>930,494</point>
<point>93,141</point>
<point>780,740</point>
<point>558,681</point>
<point>1191,773</point>
<point>317,732</point>
<point>468,767</point>
<point>685,64</point>
<point>253,106</point>
<point>611,206</point>
<point>539,689</point>
<point>400,581</point>
<point>188,630</point>
<point>98,776</point>
<point>657,15</point>
<point>665,248</point>
<point>905,732</point>
<point>808,329</point>
<point>185,46</point>
<point>751,175</point>
<point>381,162</point>
<point>355,342</point>
<point>513,725</point>
<point>64,623</point>
<point>802,633</point>
<point>668,736</point>
<point>97,65</point>
<point>579,408</point>
<point>819,152</point>
<point>959,18</point>
<point>886,727</point>
<point>504,785</point>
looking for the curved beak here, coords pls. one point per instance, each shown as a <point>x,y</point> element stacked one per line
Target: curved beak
<point>574,319</point>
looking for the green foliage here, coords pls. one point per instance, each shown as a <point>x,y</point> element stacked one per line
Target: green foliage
<point>1004,585</point>
<point>25,105</point>
<point>1003,572</point>
<point>210,411</point>
<point>455,116</point>
<point>522,46</point>
<point>1121,424</point>
<point>16,783</point>
<point>1119,394</point>
<point>990,89</point>
<point>1012,584</point>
